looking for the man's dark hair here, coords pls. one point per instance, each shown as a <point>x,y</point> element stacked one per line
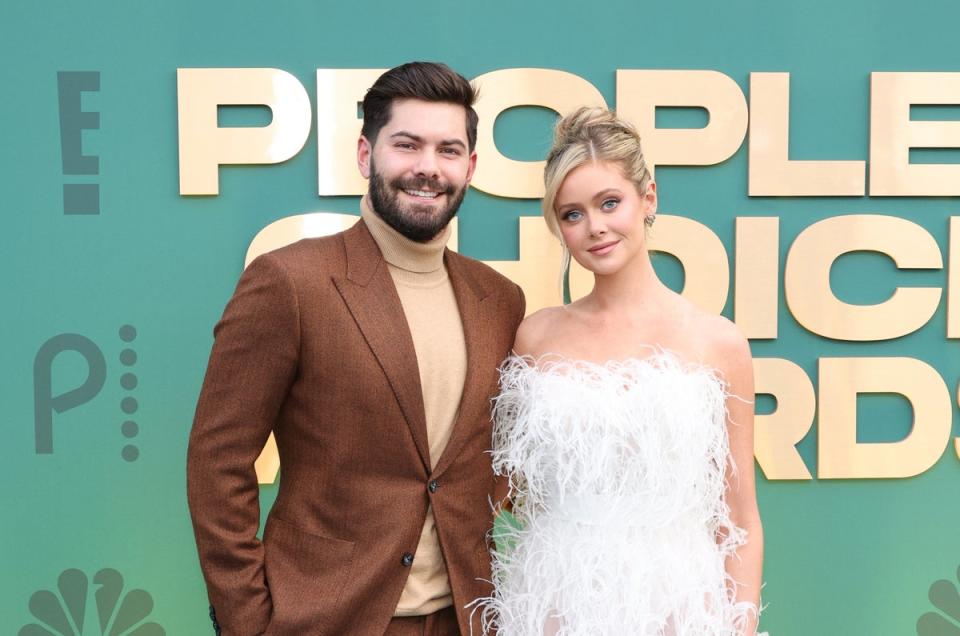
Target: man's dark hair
<point>427,81</point>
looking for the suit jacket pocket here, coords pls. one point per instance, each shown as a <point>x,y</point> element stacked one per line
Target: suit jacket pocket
<point>306,574</point>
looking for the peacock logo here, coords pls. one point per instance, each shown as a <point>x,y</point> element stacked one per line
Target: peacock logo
<point>944,596</point>
<point>119,613</point>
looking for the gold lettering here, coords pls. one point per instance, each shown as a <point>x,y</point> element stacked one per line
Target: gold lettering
<point>806,278</point>
<point>640,92</point>
<point>204,146</point>
<point>841,456</point>
<point>893,134</point>
<point>499,90</point>
<point>953,279</point>
<point>538,270</point>
<point>706,269</point>
<point>772,173</point>
<point>756,271</point>
<point>339,93</point>
<point>776,435</point>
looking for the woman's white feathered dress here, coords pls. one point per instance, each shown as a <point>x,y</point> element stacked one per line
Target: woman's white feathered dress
<point>617,473</point>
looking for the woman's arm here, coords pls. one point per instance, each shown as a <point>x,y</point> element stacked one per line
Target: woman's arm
<point>746,565</point>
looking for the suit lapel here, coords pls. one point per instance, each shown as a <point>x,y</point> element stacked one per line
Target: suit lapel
<point>371,296</point>
<point>478,316</point>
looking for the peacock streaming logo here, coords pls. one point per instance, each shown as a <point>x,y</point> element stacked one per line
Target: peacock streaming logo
<point>47,405</point>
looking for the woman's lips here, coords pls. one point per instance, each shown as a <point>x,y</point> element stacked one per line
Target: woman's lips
<point>603,248</point>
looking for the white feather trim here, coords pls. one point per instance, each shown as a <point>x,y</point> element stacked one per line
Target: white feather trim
<point>617,474</point>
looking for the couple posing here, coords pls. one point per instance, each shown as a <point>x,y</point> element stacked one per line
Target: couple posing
<point>619,420</point>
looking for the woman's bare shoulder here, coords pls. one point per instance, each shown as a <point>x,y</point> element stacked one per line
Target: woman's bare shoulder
<point>710,338</point>
<point>726,348</point>
<point>540,330</point>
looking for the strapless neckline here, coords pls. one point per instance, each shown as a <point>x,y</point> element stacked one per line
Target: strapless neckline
<point>660,359</point>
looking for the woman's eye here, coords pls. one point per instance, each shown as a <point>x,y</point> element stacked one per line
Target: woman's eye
<point>609,204</point>
<point>572,215</point>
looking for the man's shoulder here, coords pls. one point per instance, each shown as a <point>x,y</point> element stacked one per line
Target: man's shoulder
<point>308,254</point>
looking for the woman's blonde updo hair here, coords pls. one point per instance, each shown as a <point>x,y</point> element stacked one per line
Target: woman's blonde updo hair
<point>591,134</point>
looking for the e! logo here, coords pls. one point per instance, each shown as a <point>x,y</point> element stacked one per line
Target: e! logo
<point>46,404</point>
<point>78,198</point>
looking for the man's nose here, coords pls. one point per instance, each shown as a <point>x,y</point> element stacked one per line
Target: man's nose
<point>427,165</point>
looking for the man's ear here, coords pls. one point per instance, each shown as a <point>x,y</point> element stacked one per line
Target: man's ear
<point>364,152</point>
<point>472,166</point>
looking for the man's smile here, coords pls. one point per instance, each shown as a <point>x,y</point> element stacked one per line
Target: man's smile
<point>423,194</point>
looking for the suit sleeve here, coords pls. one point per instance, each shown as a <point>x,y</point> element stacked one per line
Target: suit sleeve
<point>252,365</point>
<point>521,309</point>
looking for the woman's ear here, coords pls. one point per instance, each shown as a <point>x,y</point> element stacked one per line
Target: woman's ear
<point>650,197</point>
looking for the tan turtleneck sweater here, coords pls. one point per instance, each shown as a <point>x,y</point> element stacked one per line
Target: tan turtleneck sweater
<point>432,314</point>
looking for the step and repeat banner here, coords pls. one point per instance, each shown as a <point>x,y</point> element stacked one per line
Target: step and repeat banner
<point>808,163</point>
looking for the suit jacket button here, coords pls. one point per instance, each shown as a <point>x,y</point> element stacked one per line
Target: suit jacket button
<point>433,485</point>
<point>407,560</point>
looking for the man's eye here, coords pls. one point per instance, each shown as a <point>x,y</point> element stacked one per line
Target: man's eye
<point>450,151</point>
<point>405,145</point>
<point>609,204</point>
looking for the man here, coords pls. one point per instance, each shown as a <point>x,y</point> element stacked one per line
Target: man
<point>372,355</point>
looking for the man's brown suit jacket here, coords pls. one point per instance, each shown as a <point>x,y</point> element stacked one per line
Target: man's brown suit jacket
<point>314,346</point>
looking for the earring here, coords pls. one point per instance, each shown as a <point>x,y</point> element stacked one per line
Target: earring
<point>648,221</point>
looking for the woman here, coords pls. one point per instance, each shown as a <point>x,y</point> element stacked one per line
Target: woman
<point>622,422</point>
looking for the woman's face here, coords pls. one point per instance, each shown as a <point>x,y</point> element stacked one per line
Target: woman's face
<point>601,216</point>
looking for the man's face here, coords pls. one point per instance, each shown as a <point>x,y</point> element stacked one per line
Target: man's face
<point>419,167</point>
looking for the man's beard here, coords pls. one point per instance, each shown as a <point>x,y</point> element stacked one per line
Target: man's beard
<point>419,223</point>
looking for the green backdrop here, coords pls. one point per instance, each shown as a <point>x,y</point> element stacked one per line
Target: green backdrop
<point>151,272</point>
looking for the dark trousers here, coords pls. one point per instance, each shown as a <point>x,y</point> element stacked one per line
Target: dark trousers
<point>440,623</point>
